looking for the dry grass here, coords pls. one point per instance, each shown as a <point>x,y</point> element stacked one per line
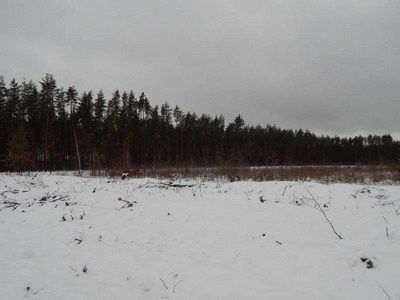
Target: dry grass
<point>323,174</point>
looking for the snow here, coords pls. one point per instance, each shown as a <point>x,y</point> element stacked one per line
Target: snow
<point>148,239</point>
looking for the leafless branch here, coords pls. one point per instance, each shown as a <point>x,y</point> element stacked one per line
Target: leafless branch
<point>187,220</point>
<point>73,269</point>
<point>284,190</point>
<point>129,204</point>
<point>175,284</point>
<point>383,290</point>
<point>11,204</point>
<point>38,291</point>
<point>322,211</point>
<point>176,185</point>
<point>164,284</point>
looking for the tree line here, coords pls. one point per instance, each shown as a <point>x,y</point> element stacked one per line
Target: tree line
<point>46,127</point>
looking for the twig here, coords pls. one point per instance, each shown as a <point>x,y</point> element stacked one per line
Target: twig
<point>57,199</point>
<point>73,269</point>
<point>83,233</point>
<point>130,204</point>
<point>383,290</point>
<point>176,185</point>
<point>38,291</point>
<point>188,217</point>
<point>284,190</point>
<point>10,191</point>
<point>164,283</point>
<point>322,211</point>
<point>175,284</point>
<point>11,204</point>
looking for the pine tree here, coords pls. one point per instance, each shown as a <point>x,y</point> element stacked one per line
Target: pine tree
<point>31,102</point>
<point>166,124</point>
<point>99,108</point>
<point>85,122</point>
<point>113,146</point>
<point>47,95</point>
<point>19,158</point>
<point>12,109</point>
<point>72,99</point>
<point>3,140</point>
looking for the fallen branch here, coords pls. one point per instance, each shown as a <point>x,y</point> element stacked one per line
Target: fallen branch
<point>9,191</point>
<point>175,284</point>
<point>284,190</point>
<point>59,199</point>
<point>129,204</point>
<point>175,185</point>
<point>35,293</point>
<point>187,220</point>
<point>383,290</point>
<point>164,284</point>
<point>322,211</point>
<point>11,204</point>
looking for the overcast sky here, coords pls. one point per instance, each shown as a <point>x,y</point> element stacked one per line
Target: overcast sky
<point>331,66</point>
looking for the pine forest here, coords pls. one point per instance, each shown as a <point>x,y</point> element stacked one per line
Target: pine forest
<point>46,127</point>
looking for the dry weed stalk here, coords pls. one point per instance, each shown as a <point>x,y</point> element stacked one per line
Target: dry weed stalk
<point>322,211</point>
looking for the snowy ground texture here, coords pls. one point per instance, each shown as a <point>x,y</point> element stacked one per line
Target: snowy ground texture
<point>66,237</point>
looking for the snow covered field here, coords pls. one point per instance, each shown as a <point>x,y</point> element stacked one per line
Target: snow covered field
<point>66,237</point>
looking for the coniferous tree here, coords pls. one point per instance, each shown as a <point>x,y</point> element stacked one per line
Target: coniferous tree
<point>113,147</point>
<point>99,109</point>
<point>85,121</point>
<point>3,138</point>
<point>166,125</point>
<point>12,110</point>
<point>19,158</point>
<point>125,131</point>
<point>31,101</point>
<point>72,100</point>
<point>61,128</point>
<point>47,97</point>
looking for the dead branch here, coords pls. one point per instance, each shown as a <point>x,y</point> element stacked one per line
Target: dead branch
<point>322,211</point>
<point>164,284</point>
<point>284,190</point>
<point>176,185</point>
<point>175,284</point>
<point>72,269</point>
<point>383,290</point>
<point>59,198</point>
<point>129,204</point>
<point>9,191</point>
<point>38,291</point>
<point>187,220</point>
<point>11,204</point>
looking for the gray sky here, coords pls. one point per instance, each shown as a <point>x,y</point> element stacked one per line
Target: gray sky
<point>331,66</point>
